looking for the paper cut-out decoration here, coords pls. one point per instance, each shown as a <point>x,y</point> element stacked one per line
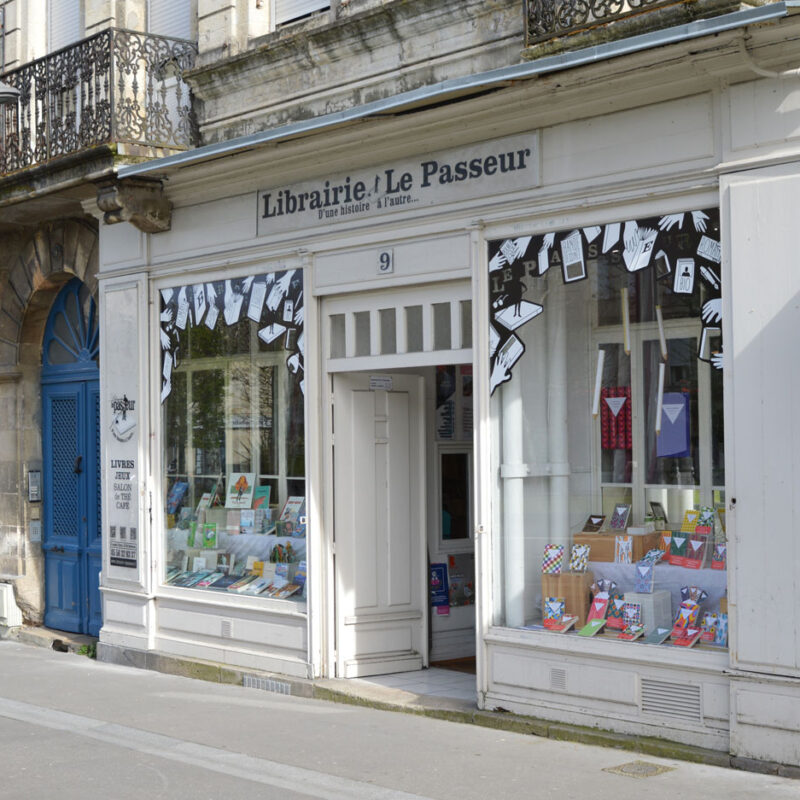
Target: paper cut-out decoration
<point>616,430</point>
<point>611,236</point>
<point>512,317</point>
<point>651,243</point>
<point>675,439</point>
<point>506,357</point>
<point>258,294</point>
<point>199,296</point>
<point>619,519</point>
<point>573,266</point>
<point>494,340</point>
<point>683,282</point>
<point>579,559</point>
<point>639,249</point>
<point>553,559</point>
<point>594,523</point>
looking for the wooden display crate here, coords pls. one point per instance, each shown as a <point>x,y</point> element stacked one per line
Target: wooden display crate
<point>602,544</point>
<point>574,587</point>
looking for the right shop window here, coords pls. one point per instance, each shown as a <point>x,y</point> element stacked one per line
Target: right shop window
<point>606,366</point>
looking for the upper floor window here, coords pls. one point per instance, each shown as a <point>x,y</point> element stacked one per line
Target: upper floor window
<point>65,25</point>
<point>170,18</point>
<point>288,10</point>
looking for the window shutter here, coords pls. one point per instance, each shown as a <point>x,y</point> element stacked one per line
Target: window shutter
<point>287,10</point>
<point>64,23</point>
<point>170,18</point>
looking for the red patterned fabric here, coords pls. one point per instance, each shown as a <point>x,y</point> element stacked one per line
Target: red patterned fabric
<point>616,430</point>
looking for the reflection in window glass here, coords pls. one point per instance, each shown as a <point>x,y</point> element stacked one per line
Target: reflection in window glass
<point>234,436</point>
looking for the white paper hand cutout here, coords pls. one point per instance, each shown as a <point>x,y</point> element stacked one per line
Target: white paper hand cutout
<point>669,221</point>
<point>712,311</point>
<point>699,219</point>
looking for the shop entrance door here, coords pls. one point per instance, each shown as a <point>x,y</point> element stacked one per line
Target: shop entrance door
<point>71,476</point>
<point>379,524</point>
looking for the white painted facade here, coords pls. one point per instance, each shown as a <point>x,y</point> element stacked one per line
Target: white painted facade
<point>609,144</point>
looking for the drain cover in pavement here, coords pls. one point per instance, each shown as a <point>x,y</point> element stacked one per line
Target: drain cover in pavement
<point>638,769</point>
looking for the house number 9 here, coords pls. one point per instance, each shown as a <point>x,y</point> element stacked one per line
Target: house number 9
<point>385,262</point>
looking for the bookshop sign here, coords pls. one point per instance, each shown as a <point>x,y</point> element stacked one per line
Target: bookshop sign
<point>495,167</point>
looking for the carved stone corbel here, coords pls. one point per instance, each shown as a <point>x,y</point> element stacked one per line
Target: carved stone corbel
<point>136,200</point>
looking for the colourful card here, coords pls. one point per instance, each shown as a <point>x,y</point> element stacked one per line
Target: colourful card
<point>709,627</point>
<point>553,559</point>
<point>690,520</point>
<point>592,627</point>
<point>579,560</point>
<point>564,625</point>
<point>616,605</point>
<point>657,636</point>
<point>696,551</point>
<point>721,635</point>
<point>619,519</point>
<point>554,608</point>
<point>623,549</point>
<point>664,542</point>
<point>631,633</point>
<point>677,550</point>
<point>632,614</point>
<point>645,576</point>
<point>598,608</point>
<point>688,637</point>
<point>719,558</point>
<point>594,523</point>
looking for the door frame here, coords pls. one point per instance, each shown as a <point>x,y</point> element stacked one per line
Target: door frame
<point>417,413</point>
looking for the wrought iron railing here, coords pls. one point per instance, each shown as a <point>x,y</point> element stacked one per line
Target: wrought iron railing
<point>546,19</point>
<point>117,86</point>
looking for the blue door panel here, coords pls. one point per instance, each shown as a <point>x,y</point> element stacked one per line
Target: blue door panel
<point>62,582</point>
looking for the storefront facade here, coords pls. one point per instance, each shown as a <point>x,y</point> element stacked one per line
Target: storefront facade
<point>456,346</point>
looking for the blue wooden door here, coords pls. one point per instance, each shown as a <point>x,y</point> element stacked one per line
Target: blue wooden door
<point>71,468</point>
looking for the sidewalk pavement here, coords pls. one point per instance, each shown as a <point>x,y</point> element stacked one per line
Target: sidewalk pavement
<point>74,728</point>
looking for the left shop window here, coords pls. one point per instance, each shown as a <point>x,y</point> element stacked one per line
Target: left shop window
<point>233,410</point>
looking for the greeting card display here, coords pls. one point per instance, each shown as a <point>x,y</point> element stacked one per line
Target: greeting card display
<point>553,559</point>
<point>563,625</point>
<point>598,607</point>
<point>719,557</point>
<point>677,550</point>
<point>594,523</point>
<point>632,614</point>
<point>687,617</point>
<point>657,636</point>
<point>554,608</point>
<point>645,576</point>
<point>592,627</point>
<point>696,551</point>
<point>631,633</point>
<point>614,617</point>
<point>690,520</point>
<point>619,519</point>
<point>579,559</point>
<point>664,542</point>
<point>721,634</point>
<point>709,627</point>
<point>623,549</point>
<point>688,637</point>
<point>705,520</point>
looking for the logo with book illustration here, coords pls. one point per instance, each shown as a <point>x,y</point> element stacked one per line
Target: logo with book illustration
<point>123,422</point>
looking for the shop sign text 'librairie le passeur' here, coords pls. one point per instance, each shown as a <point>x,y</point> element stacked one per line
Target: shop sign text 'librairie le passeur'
<point>494,167</point>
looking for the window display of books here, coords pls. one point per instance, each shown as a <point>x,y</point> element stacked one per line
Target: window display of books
<point>242,547</point>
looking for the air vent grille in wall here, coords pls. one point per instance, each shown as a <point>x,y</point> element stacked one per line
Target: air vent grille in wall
<point>558,679</point>
<point>227,629</point>
<point>674,700</point>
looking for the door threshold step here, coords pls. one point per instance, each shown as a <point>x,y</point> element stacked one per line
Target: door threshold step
<point>63,641</point>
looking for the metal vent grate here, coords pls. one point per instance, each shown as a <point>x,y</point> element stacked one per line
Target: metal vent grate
<point>674,700</point>
<point>266,684</point>
<point>227,629</point>
<point>558,679</point>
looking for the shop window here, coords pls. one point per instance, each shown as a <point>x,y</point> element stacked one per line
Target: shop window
<point>607,421</point>
<point>233,434</point>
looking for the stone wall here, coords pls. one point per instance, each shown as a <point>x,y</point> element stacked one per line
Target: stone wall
<point>364,51</point>
<point>34,268</point>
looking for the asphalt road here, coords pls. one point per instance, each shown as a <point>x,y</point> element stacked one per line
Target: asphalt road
<point>75,729</point>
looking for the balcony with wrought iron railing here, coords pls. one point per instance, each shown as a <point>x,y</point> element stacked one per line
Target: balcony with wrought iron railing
<point>118,90</point>
<point>559,24</point>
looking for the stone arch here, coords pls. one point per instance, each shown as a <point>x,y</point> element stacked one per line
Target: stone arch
<point>57,252</point>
